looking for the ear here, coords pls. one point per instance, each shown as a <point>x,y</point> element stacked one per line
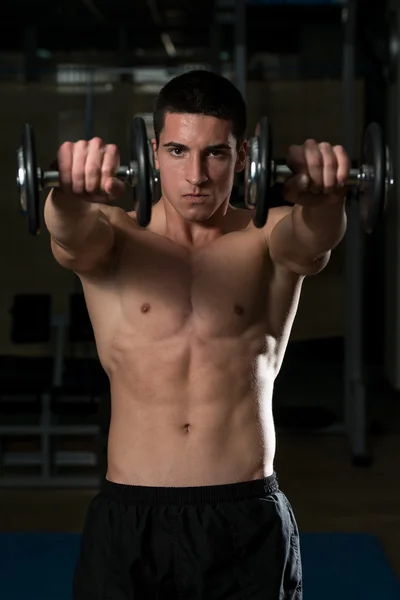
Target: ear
<point>155,153</point>
<point>241,158</point>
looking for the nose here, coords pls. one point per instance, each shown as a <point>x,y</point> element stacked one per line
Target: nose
<point>196,172</point>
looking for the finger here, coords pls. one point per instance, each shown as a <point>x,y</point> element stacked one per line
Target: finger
<point>330,166</point>
<point>111,185</point>
<point>63,163</point>
<point>79,155</point>
<point>296,159</point>
<point>114,187</point>
<point>299,181</point>
<point>93,165</point>
<point>314,162</point>
<point>343,165</point>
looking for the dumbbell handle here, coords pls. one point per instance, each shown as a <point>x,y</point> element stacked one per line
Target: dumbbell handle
<point>49,179</point>
<point>280,173</point>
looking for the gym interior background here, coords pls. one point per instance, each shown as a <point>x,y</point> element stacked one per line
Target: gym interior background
<point>318,69</point>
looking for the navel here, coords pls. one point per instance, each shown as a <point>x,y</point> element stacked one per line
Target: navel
<point>145,308</point>
<point>186,428</point>
<point>238,309</point>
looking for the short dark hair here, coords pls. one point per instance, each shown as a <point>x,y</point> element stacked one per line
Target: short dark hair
<point>205,93</point>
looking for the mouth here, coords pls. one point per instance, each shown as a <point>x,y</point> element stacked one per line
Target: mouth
<point>195,197</point>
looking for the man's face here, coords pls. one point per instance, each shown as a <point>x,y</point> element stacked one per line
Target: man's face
<point>197,158</point>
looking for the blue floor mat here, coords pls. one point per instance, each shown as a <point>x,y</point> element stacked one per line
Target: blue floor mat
<point>335,566</point>
<point>346,566</point>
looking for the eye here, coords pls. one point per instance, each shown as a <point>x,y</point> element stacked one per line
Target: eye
<point>219,153</point>
<point>176,151</point>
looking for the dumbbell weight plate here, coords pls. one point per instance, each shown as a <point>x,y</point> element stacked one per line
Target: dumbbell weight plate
<point>140,156</point>
<point>28,179</point>
<point>372,195</point>
<point>264,174</point>
<point>155,184</point>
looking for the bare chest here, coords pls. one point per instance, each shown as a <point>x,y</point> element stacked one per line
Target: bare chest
<point>218,290</point>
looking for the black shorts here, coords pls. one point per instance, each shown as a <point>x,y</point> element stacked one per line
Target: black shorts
<point>231,542</point>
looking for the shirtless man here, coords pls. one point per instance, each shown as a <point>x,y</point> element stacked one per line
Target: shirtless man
<point>191,318</point>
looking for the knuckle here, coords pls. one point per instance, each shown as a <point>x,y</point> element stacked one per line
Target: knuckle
<point>65,147</point>
<point>111,154</point>
<point>107,170</point>
<point>78,175</point>
<point>325,147</point>
<point>92,171</point>
<point>112,149</point>
<point>80,145</point>
<point>311,142</point>
<point>339,148</point>
<point>64,156</point>
<point>96,142</point>
<point>330,162</point>
<point>315,160</point>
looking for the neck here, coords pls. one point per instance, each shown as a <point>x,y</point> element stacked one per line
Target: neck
<point>194,234</point>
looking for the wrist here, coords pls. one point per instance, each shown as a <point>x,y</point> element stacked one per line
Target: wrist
<point>68,217</point>
<point>69,204</point>
<point>323,211</point>
<point>320,227</point>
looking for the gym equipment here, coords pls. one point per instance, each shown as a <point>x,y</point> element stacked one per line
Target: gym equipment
<point>141,158</point>
<point>355,413</point>
<point>373,179</point>
<point>140,174</point>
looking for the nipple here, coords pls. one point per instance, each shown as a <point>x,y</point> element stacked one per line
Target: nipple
<point>145,307</point>
<point>239,310</point>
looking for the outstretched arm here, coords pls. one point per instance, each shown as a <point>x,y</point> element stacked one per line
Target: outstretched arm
<point>302,237</point>
<point>76,214</point>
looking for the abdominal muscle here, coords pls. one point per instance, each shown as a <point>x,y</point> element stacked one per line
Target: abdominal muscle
<point>188,411</point>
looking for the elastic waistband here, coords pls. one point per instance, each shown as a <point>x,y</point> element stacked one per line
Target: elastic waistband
<point>211,494</point>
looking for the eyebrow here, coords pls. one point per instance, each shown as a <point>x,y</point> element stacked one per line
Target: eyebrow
<point>221,146</point>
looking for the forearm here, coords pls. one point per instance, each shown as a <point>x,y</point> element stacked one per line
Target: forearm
<point>71,221</point>
<point>318,229</point>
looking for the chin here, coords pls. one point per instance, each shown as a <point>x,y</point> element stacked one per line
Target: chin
<point>198,214</point>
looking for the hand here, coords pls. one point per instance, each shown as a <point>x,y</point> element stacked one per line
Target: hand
<point>87,171</point>
<point>320,172</point>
